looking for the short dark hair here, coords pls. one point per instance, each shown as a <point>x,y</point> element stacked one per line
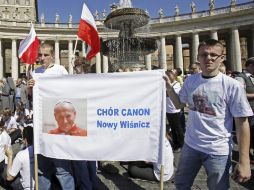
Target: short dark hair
<point>211,42</point>
<point>7,112</point>
<point>179,71</point>
<point>48,45</point>
<point>28,135</point>
<point>250,61</point>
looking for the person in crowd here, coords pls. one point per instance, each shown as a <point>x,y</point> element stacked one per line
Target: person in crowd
<point>21,114</point>
<point>5,140</point>
<point>12,90</point>
<point>179,78</point>
<point>173,115</point>
<point>151,171</point>
<point>23,163</point>
<point>195,68</point>
<point>1,92</point>
<point>5,94</point>
<point>80,66</point>
<point>11,125</point>
<point>208,136</point>
<point>21,94</point>
<point>247,80</point>
<point>222,68</point>
<point>65,115</point>
<point>48,167</point>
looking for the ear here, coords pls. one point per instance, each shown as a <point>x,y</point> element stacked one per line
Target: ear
<point>222,58</point>
<point>198,59</point>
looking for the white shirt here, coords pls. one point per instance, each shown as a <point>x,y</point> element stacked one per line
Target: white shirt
<point>56,69</point>
<point>168,165</point>
<point>11,123</point>
<point>170,107</point>
<point>5,139</point>
<point>24,163</point>
<point>212,104</point>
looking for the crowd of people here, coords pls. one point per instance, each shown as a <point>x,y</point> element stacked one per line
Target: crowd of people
<point>216,103</point>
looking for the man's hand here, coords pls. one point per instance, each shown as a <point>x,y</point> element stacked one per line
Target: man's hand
<point>8,151</point>
<point>242,172</point>
<point>31,83</point>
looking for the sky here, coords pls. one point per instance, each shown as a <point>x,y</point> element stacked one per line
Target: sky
<point>74,7</point>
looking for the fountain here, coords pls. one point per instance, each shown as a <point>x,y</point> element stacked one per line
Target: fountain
<point>126,49</point>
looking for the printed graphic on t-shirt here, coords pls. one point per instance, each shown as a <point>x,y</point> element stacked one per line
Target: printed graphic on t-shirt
<point>202,103</point>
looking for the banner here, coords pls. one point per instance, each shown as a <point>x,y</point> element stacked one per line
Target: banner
<point>113,116</point>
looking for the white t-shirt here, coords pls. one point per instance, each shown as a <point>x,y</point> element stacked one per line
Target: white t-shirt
<point>170,107</point>
<point>56,69</point>
<point>5,139</point>
<point>24,163</point>
<point>168,166</point>
<point>212,105</point>
<point>11,123</point>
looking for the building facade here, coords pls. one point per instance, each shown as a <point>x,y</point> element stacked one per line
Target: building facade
<point>177,36</point>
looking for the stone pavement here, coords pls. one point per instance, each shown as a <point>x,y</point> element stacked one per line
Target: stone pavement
<point>121,181</point>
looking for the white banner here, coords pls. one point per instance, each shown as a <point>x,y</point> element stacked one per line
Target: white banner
<point>114,116</point>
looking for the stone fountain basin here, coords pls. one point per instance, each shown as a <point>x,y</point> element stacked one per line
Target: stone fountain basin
<point>134,16</point>
<point>139,46</point>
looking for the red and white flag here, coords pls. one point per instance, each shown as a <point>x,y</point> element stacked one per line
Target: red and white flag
<point>28,48</point>
<point>88,32</point>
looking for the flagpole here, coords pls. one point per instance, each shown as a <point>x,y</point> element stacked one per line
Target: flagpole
<point>73,56</point>
<point>36,172</point>
<point>163,134</point>
<point>161,178</point>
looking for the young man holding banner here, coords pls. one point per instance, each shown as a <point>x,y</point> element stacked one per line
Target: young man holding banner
<point>63,168</point>
<point>208,131</point>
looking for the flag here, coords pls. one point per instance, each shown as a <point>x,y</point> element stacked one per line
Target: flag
<point>88,32</point>
<point>28,47</point>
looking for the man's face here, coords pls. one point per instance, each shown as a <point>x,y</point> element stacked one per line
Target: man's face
<point>6,117</point>
<point>65,117</point>
<point>46,57</point>
<point>210,58</point>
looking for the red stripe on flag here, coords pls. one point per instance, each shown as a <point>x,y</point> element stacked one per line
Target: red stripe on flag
<point>89,34</point>
<point>31,54</point>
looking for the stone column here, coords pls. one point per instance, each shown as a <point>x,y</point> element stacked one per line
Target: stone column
<point>98,62</point>
<point>70,57</point>
<point>105,64</point>
<point>236,61</point>
<point>148,61</point>
<point>195,43</point>
<point>83,49</point>
<point>1,61</point>
<point>14,60</point>
<point>162,54</point>
<point>214,35</point>
<point>57,59</point>
<point>179,52</point>
<point>251,43</point>
<point>227,40</point>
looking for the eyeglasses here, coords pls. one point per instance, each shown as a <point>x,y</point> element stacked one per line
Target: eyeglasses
<point>44,54</point>
<point>212,56</point>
